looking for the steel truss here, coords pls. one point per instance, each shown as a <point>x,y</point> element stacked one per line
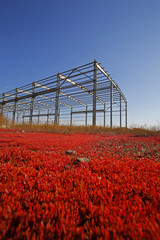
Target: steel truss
<point>87,92</point>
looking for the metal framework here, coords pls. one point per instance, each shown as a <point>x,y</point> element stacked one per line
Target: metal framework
<point>85,95</point>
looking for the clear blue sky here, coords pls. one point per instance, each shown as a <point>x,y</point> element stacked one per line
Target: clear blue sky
<point>38,38</point>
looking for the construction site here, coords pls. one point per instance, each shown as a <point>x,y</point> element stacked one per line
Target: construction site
<point>85,95</point>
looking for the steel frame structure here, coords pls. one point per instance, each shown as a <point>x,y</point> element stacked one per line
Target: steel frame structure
<point>87,91</point>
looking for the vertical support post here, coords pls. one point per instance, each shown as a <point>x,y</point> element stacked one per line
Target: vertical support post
<point>126,112</point>
<point>104,114</point>
<point>23,117</point>
<point>32,102</point>
<point>58,115</point>
<point>71,117</point>
<point>111,104</point>
<point>48,117</point>
<point>86,116</point>
<point>17,117</point>
<point>1,109</point>
<point>14,108</point>
<point>2,104</point>
<point>120,111</point>
<point>94,93</point>
<point>57,100</point>
<point>38,116</point>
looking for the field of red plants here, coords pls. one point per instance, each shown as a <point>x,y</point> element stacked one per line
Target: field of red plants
<point>46,193</point>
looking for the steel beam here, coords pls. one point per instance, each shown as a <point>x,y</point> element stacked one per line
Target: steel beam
<point>79,86</point>
<point>29,104</point>
<point>40,115</point>
<point>31,95</point>
<point>52,99</point>
<point>90,79</point>
<point>110,79</point>
<point>88,111</point>
<point>63,94</point>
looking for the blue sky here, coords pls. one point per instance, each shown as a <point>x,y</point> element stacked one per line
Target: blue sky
<point>38,38</point>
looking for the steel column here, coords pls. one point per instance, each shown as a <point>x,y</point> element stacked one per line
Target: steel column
<point>75,87</point>
<point>86,117</point>
<point>48,116</point>
<point>17,117</point>
<point>23,117</point>
<point>38,116</point>
<point>58,115</point>
<point>120,111</point>
<point>94,92</point>
<point>126,112</point>
<point>71,117</point>
<point>14,108</point>
<point>57,100</point>
<point>111,104</point>
<point>42,115</point>
<point>104,115</point>
<point>32,102</point>
<point>2,103</point>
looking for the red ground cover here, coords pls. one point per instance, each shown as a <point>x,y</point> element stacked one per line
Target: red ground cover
<point>45,195</point>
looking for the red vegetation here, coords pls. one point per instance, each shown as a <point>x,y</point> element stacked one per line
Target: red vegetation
<point>45,195</point>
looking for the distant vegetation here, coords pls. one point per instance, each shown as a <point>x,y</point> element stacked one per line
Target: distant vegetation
<point>4,123</point>
<point>52,128</point>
